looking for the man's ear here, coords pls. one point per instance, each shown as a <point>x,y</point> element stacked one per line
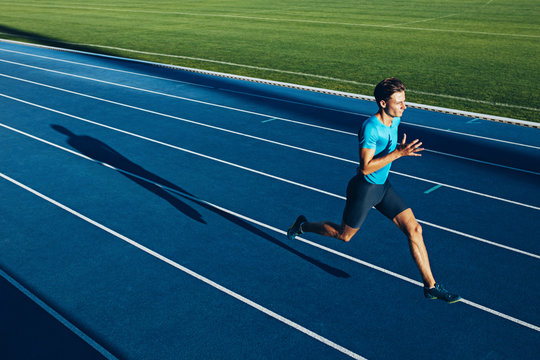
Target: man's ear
<point>382,104</point>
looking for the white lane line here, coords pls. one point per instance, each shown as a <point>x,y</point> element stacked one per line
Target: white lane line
<point>235,16</point>
<point>296,103</point>
<point>58,317</point>
<point>409,280</point>
<point>245,93</point>
<point>264,225</point>
<point>183,119</point>
<point>105,68</point>
<point>472,135</point>
<point>190,272</point>
<point>239,297</point>
<point>497,313</point>
<point>271,116</point>
<point>175,96</point>
<point>171,146</point>
<point>466,190</point>
<point>282,84</point>
<point>479,239</point>
<point>483,162</point>
<point>243,168</point>
<point>268,141</point>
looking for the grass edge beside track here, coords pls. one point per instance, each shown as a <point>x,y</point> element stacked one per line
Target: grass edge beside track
<point>501,119</point>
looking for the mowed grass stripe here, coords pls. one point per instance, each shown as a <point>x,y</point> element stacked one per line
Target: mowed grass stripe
<point>310,44</point>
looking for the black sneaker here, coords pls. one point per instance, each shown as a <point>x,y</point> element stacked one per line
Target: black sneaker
<point>296,228</point>
<point>439,292</point>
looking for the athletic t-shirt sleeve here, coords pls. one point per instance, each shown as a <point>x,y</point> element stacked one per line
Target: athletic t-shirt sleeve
<point>368,136</point>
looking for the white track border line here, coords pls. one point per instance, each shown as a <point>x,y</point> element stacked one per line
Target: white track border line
<point>268,141</point>
<point>261,224</point>
<point>287,120</point>
<point>94,344</point>
<point>267,116</point>
<point>222,106</point>
<point>192,273</point>
<point>284,119</point>
<point>295,86</point>
<point>177,97</point>
<point>243,168</point>
<point>239,297</point>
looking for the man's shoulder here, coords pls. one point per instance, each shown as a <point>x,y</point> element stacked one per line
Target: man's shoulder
<point>370,128</point>
<point>372,123</point>
<point>372,120</point>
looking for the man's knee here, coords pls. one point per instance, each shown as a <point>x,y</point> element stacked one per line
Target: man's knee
<point>408,223</point>
<point>413,230</point>
<point>417,228</point>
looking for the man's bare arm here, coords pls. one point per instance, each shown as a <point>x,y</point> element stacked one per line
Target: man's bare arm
<point>369,165</point>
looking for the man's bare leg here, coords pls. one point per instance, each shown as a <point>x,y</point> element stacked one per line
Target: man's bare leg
<point>341,232</point>
<point>412,229</point>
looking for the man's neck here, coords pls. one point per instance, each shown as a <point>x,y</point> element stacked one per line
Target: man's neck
<point>384,117</point>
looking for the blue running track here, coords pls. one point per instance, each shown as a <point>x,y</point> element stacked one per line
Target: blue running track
<point>144,211</point>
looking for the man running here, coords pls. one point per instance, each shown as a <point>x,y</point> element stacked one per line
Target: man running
<point>370,187</point>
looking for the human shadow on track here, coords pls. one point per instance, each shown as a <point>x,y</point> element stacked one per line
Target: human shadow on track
<point>103,153</point>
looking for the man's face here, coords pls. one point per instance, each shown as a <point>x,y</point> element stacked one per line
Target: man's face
<point>395,106</point>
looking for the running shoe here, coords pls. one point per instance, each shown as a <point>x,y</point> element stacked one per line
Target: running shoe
<point>296,228</point>
<point>439,292</point>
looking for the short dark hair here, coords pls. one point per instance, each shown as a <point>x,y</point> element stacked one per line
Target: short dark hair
<point>386,88</point>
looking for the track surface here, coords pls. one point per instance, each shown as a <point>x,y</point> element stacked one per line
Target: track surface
<point>99,261</point>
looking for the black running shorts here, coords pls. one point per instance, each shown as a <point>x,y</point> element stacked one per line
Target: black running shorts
<point>361,196</point>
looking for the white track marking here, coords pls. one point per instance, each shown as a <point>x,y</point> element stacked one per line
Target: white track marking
<point>258,114</point>
<point>282,84</point>
<point>475,101</point>
<point>104,68</point>
<point>228,90</point>
<point>233,16</point>
<point>296,102</point>
<point>409,280</point>
<point>58,317</point>
<point>472,135</point>
<point>245,300</point>
<point>497,313</point>
<point>183,120</point>
<point>268,141</point>
<point>483,162</point>
<point>466,190</point>
<point>171,146</point>
<point>189,272</point>
<point>304,74</point>
<point>176,97</point>
<point>244,168</point>
<point>214,104</point>
<point>480,239</point>
<point>214,61</point>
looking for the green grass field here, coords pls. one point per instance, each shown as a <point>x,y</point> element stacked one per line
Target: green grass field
<point>479,56</point>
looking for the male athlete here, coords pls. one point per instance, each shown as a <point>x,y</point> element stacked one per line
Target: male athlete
<point>370,187</point>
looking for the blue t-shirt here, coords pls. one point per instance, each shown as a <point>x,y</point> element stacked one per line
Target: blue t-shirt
<point>375,135</point>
